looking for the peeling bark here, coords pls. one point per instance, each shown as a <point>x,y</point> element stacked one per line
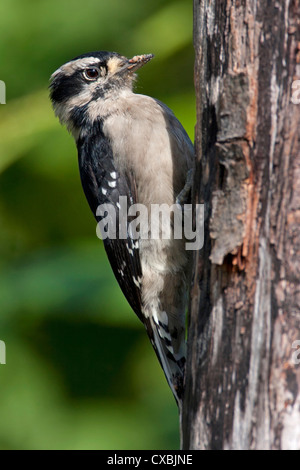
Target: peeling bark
<point>243,379</point>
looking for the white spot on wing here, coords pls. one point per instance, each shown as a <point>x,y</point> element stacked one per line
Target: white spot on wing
<point>136,281</point>
<point>130,251</point>
<point>123,265</point>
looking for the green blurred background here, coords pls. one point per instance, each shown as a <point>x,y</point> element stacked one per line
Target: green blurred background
<point>80,372</point>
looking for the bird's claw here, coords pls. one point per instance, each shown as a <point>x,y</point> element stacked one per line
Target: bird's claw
<point>183,196</point>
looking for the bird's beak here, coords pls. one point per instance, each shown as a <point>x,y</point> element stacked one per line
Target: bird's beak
<point>138,61</point>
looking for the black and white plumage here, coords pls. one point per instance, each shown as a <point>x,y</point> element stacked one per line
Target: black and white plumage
<point>133,146</point>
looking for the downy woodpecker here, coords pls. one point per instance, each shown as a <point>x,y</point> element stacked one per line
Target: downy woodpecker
<point>133,146</point>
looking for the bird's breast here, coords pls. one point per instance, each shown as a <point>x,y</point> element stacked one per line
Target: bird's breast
<point>141,147</point>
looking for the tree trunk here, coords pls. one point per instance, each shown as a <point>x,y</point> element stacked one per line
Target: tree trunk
<point>243,377</point>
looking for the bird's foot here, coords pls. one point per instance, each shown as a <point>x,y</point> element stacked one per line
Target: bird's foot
<point>184,195</point>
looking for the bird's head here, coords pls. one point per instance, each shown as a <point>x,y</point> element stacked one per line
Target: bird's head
<point>89,78</point>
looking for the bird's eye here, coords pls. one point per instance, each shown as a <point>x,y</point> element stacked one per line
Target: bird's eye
<point>92,73</point>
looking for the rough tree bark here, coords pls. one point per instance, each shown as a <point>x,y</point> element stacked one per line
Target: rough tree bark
<point>243,380</point>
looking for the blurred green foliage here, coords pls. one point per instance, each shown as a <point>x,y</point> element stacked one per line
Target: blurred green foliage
<point>80,372</point>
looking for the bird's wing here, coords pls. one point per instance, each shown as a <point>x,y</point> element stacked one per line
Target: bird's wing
<point>103,184</point>
<point>181,144</point>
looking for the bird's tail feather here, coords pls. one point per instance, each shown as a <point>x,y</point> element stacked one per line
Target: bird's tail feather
<point>172,361</point>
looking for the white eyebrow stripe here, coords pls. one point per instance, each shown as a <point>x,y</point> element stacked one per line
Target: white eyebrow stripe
<point>70,67</point>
